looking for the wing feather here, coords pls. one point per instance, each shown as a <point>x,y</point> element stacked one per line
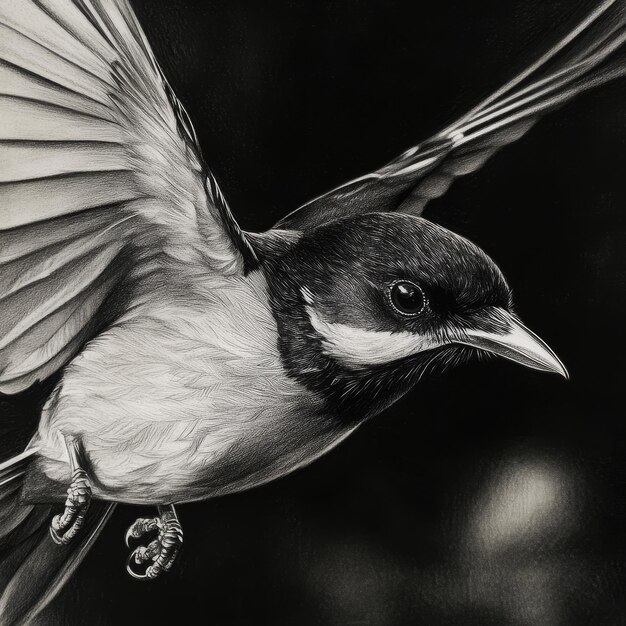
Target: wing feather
<point>37,237</point>
<point>35,121</point>
<point>30,56</point>
<point>23,161</point>
<point>29,201</point>
<point>26,307</point>
<point>589,55</point>
<point>98,168</point>
<point>21,83</point>
<point>54,338</point>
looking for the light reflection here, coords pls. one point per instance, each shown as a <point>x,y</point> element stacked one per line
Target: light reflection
<point>528,501</point>
<point>510,557</point>
<point>515,537</point>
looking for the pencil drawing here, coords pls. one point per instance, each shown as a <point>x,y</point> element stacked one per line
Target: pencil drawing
<point>197,359</point>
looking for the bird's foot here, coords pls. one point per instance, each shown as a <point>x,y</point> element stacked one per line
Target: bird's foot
<point>64,527</point>
<point>160,553</point>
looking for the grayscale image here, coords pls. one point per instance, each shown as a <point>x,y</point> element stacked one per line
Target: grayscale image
<point>189,317</point>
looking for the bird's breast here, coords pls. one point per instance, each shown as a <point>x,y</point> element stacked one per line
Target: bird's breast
<point>181,403</point>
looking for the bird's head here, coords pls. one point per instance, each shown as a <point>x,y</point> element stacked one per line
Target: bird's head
<point>366,304</point>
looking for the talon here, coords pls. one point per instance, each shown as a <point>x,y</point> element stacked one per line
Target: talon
<point>140,527</point>
<point>162,551</point>
<point>141,555</point>
<point>58,539</point>
<point>130,570</point>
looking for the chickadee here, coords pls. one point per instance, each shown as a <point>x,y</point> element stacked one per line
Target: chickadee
<point>196,359</point>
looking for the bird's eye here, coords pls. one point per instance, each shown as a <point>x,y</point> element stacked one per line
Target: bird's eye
<point>407,298</point>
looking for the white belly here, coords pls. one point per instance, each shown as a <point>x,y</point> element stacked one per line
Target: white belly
<point>183,407</point>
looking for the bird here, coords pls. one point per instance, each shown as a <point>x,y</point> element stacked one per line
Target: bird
<point>192,358</point>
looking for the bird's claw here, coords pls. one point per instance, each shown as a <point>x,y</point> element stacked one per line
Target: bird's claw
<point>140,527</point>
<point>64,527</point>
<point>159,553</point>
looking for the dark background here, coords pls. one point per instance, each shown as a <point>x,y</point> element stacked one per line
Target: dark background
<point>491,494</point>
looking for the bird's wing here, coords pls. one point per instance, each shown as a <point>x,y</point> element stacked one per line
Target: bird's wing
<point>100,171</point>
<point>589,55</point>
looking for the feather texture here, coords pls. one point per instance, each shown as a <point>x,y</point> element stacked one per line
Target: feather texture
<point>99,170</point>
<point>591,54</point>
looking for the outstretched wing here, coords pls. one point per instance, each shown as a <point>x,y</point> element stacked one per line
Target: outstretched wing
<point>588,56</point>
<point>100,175</point>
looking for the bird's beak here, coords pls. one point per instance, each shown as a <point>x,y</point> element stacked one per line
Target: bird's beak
<point>516,343</point>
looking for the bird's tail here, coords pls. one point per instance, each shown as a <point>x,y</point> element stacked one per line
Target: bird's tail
<point>33,568</point>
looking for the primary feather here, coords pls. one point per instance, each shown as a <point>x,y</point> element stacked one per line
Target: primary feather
<point>591,54</point>
<point>99,172</point>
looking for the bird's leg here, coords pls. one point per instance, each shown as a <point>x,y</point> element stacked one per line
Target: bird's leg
<point>159,553</point>
<point>64,527</point>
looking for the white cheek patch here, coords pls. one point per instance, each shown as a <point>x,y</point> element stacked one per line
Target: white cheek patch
<point>358,347</point>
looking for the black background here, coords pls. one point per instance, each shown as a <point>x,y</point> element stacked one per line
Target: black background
<point>491,494</point>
